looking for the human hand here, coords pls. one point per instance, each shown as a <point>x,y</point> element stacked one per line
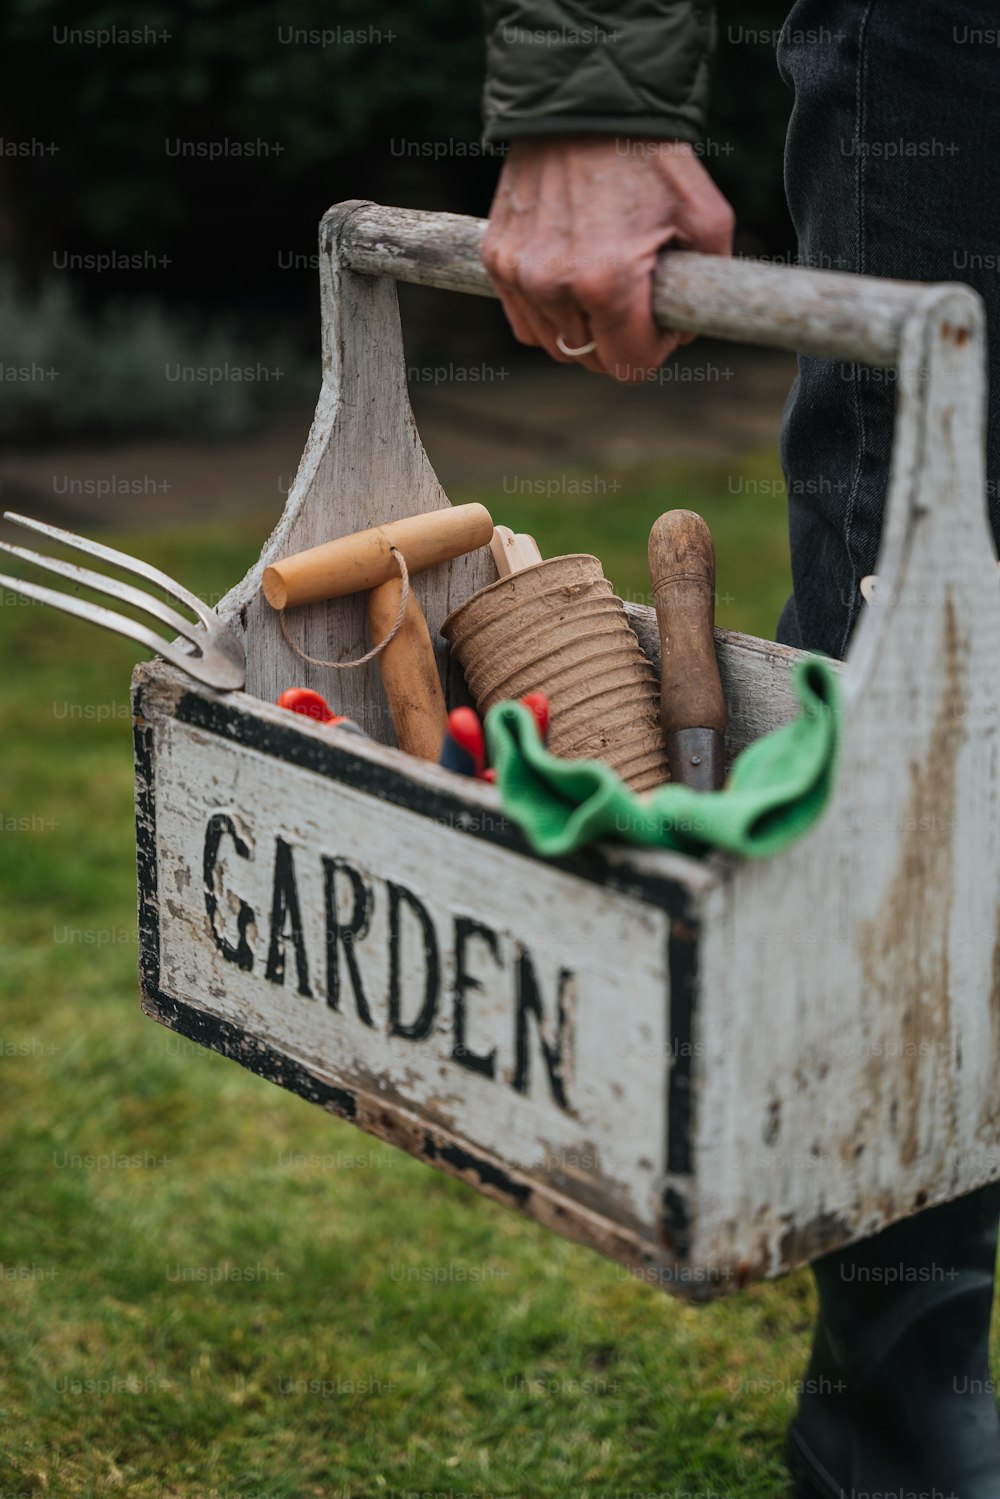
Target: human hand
<point>574,231</point>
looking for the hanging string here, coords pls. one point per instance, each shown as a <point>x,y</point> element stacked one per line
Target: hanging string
<point>404,599</point>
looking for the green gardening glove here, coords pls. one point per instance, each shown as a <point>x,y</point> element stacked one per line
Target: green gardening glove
<point>777,789</point>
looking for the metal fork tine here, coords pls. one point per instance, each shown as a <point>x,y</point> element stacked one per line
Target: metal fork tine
<point>112,587</point>
<point>96,614</point>
<point>217,656</point>
<point>117,559</point>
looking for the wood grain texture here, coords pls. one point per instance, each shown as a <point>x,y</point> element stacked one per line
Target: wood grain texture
<point>847,1011</point>
<point>756,677</point>
<point>682,578</point>
<point>834,315</point>
<point>363,465</point>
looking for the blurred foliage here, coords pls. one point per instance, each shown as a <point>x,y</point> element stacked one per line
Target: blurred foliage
<point>320,120</point>
<point>344,118</point>
<point>130,371</point>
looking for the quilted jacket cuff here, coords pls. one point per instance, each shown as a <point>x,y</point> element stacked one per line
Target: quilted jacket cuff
<point>617,67</point>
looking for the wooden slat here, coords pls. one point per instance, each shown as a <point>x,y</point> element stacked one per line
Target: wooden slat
<point>756,677</point>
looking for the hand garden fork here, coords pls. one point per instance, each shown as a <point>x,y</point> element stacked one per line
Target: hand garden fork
<point>216,656</point>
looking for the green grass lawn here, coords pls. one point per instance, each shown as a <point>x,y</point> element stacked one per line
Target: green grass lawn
<point>204,1279</point>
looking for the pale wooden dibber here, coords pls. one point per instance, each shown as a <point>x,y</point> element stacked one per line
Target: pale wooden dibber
<point>513,552</point>
<point>355,563</point>
<point>409,672</point>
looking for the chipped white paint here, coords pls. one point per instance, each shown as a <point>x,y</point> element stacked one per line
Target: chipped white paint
<point>459,908</point>
<point>849,990</point>
<point>840,1013</point>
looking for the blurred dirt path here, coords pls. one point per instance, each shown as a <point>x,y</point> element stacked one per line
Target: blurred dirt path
<point>717,399</point>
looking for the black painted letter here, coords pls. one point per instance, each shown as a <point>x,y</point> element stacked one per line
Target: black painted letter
<point>347,933</point>
<point>219,824</point>
<point>464,982</point>
<point>529,1002</point>
<point>417,1029</point>
<point>285,906</point>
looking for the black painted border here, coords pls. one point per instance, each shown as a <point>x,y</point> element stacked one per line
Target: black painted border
<point>256,1056</point>
<point>336,763</point>
<point>682,961</point>
<point>340,765</point>
<point>667,1265</point>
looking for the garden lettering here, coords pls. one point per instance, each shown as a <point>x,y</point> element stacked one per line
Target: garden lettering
<point>413,999</point>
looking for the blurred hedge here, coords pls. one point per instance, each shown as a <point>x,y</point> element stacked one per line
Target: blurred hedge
<point>232,71</point>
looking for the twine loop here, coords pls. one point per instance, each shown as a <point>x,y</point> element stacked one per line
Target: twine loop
<point>404,599</point>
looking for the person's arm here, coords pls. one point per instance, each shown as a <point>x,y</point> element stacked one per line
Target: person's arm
<point>601,114</point>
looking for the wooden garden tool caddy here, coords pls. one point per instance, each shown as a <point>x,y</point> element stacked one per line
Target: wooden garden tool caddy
<point>710,1070</point>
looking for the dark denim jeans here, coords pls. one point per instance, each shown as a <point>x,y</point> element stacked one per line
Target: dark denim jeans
<point>892,168</point>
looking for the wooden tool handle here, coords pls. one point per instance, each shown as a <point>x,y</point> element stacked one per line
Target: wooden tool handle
<point>363,560</point>
<point>513,552</point>
<point>409,672</point>
<point>682,573</point>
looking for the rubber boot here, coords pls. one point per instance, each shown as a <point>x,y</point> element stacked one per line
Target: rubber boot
<point>898,1398</point>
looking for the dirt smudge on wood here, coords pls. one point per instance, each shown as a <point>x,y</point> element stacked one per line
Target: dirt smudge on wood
<point>904,949</point>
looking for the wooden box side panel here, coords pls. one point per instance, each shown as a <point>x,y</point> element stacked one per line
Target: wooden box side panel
<point>471,1008</point>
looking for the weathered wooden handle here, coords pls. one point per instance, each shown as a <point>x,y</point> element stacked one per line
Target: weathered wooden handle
<point>830,313</point>
<point>363,560</point>
<point>692,703</point>
<point>409,672</point>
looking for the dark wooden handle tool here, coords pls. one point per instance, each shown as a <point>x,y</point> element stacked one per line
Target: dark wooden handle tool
<point>692,704</point>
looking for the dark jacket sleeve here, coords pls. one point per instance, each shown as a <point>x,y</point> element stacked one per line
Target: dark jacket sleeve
<point>609,67</point>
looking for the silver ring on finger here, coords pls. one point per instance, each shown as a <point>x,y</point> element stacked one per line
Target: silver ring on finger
<point>563,347</point>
